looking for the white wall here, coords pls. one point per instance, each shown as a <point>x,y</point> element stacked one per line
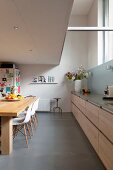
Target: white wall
<point>100,33</point>
<point>78,21</point>
<point>110,39</point>
<point>74,54</point>
<point>93,14</point>
<point>93,35</point>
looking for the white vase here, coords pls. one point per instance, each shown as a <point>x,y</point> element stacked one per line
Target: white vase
<point>78,85</point>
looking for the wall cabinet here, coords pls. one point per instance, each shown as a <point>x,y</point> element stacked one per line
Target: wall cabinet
<point>97,124</point>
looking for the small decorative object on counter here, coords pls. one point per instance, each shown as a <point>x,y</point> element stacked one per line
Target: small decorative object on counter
<point>110,91</point>
<point>86,91</point>
<point>106,91</point>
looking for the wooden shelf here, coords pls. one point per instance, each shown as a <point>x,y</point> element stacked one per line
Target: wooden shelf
<point>43,83</point>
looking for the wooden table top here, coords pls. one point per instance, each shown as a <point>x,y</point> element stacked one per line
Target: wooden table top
<point>13,108</point>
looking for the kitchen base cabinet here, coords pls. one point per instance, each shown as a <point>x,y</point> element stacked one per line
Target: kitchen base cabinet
<point>89,129</point>
<point>106,151</point>
<point>97,125</point>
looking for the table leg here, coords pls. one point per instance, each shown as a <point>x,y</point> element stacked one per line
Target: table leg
<point>6,135</point>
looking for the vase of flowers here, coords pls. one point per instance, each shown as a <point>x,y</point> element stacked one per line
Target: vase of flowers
<point>77,77</point>
<point>81,74</point>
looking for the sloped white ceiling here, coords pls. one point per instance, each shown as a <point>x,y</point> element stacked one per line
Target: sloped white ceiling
<point>42,26</point>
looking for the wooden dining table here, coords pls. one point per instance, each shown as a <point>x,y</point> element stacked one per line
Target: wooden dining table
<point>8,110</point>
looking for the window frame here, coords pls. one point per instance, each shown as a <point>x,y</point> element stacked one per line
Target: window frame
<point>105,28</point>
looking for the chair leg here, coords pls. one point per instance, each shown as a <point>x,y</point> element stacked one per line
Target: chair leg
<point>36,117</point>
<point>28,130</point>
<point>14,131</point>
<point>31,126</point>
<point>25,132</point>
<point>33,121</point>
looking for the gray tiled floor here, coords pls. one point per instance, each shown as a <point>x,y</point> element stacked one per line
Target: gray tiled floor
<point>58,144</point>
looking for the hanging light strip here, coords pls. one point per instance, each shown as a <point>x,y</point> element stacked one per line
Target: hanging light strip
<point>90,29</point>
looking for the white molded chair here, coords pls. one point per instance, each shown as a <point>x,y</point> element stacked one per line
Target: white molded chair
<point>34,117</point>
<point>23,123</point>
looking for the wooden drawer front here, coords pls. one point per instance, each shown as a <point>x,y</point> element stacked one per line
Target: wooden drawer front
<point>75,111</point>
<point>92,112</point>
<point>92,133</point>
<point>106,124</point>
<point>72,97</point>
<point>83,109</point>
<point>82,102</point>
<point>72,107</point>
<point>106,152</point>
<point>82,120</point>
<point>76,100</point>
<point>89,129</point>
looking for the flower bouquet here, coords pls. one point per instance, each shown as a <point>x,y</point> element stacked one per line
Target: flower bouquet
<point>70,76</point>
<point>80,74</point>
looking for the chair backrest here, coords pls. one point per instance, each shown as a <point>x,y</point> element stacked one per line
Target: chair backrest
<point>34,107</point>
<point>28,114</point>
